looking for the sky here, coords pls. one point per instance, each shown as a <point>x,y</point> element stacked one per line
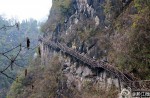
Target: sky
<point>25,9</point>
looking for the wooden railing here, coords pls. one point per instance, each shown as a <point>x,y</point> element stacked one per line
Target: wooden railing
<point>92,63</point>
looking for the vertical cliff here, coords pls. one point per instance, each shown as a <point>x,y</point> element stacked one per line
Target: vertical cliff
<point>115,31</point>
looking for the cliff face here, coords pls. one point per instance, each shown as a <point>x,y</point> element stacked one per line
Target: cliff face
<point>86,24</point>
<point>113,31</point>
<point>110,30</point>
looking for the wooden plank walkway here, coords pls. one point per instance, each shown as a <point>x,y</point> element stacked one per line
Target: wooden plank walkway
<point>92,63</point>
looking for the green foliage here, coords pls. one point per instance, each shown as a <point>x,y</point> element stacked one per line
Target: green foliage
<point>131,43</point>
<point>45,79</point>
<point>48,80</point>
<point>60,9</point>
<point>138,4</point>
<point>89,90</point>
<point>58,3</point>
<point>107,7</point>
<point>62,5</point>
<point>64,10</point>
<point>10,38</point>
<point>93,32</point>
<point>17,88</point>
<point>4,84</point>
<point>141,4</point>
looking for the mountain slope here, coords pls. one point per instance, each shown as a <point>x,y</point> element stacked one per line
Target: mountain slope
<point>112,31</point>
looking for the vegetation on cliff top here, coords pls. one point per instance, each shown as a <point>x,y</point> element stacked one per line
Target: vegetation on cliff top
<point>131,40</point>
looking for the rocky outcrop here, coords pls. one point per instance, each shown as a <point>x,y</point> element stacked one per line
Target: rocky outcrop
<point>88,20</point>
<point>91,27</point>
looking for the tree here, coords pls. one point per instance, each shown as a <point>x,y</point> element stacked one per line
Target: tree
<point>11,58</point>
<point>14,52</point>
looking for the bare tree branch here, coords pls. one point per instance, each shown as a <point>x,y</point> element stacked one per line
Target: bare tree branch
<point>31,48</point>
<point>7,75</point>
<point>10,50</point>
<point>5,27</point>
<point>12,60</point>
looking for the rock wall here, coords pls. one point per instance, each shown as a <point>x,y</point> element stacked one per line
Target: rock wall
<point>79,74</point>
<point>87,27</point>
<point>86,24</point>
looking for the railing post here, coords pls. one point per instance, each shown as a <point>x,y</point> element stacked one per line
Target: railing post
<point>89,61</point>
